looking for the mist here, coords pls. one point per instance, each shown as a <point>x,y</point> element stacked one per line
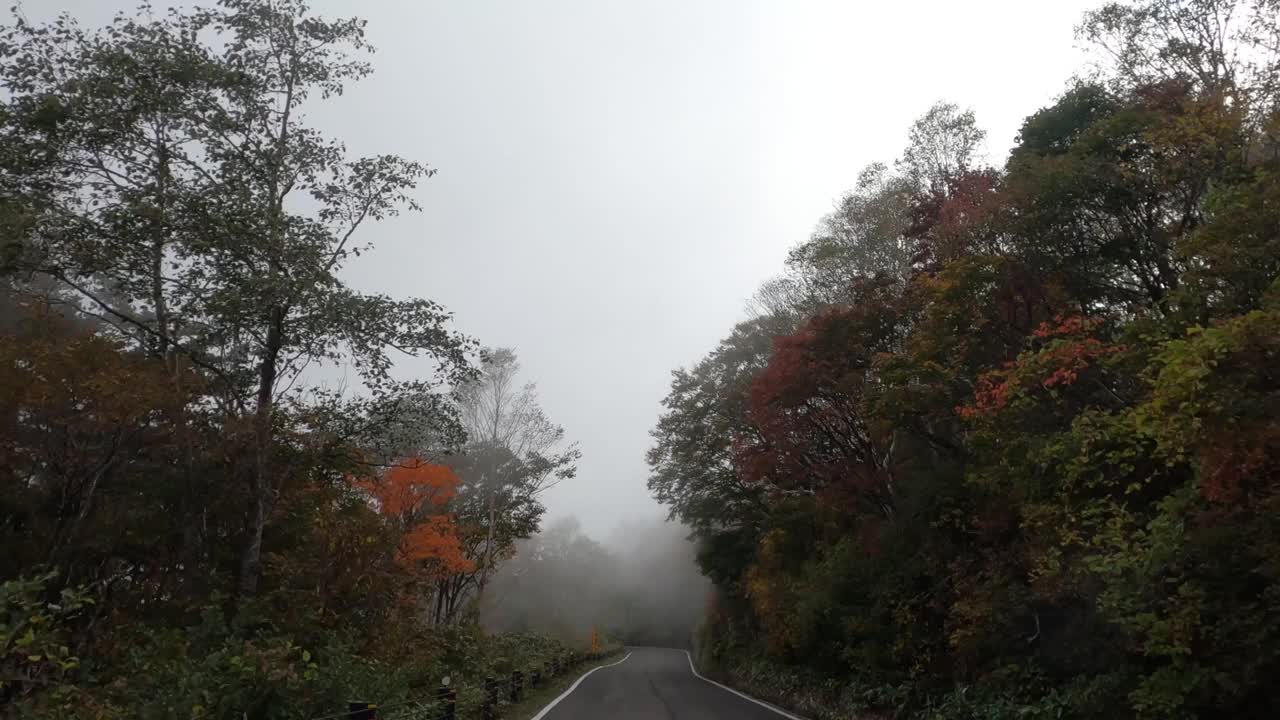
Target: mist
<point>640,586</point>
<point>897,360</point>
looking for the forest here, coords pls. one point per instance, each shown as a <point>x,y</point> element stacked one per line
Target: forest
<point>1003,439</point>
<point>219,497</point>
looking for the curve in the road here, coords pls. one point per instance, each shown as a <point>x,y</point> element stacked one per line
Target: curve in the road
<point>654,684</point>
<point>541,714</point>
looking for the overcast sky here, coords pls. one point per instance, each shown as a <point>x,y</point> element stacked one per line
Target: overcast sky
<point>617,178</point>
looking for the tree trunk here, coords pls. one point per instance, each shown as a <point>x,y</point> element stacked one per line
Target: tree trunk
<point>439,612</point>
<point>250,558</point>
<point>488,547</point>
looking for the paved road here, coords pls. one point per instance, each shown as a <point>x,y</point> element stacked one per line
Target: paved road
<point>654,684</point>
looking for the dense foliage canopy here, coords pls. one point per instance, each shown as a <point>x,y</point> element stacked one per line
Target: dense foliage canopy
<point>1005,441</point>
<point>194,522</point>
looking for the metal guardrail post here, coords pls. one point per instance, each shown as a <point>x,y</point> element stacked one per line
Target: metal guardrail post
<point>448,700</point>
<point>489,706</point>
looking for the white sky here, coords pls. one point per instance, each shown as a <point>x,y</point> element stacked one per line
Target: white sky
<point>617,178</point>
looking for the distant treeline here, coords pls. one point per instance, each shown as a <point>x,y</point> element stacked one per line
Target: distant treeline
<point>643,589</point>
<point>1004,440</point>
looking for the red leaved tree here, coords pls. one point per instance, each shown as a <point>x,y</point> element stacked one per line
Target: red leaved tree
<point>815,432</point>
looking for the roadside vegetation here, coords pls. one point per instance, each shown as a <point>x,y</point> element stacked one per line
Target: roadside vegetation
<point>1002,440</point>
<point>198,520</point>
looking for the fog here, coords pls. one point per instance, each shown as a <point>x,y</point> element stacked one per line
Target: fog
<point>641,586</point>
<point>614,182</point>
<point>367,371</point>
<point>616,179</point>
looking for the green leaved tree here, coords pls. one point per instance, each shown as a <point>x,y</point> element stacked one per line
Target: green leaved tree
<point>178,193</point>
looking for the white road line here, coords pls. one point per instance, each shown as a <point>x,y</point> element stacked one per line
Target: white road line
<point>744,696</point>
<point>575,685</point>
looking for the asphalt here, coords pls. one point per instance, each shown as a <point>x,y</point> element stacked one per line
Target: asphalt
<point>654,684</point>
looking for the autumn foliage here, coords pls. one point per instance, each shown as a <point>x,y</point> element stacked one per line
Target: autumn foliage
<point>1035,472</point>
<point>434,541</point>
<point>813,428</point>
<point>1065,349</point>
<point>189,526</point>
<point>416,495</point>
<point>411,488</point>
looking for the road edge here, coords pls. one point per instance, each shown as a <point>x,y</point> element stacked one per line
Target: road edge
<point>744,696</point>
<point>575,685</point>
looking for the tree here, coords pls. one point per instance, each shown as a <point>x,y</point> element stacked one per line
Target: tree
<point>416,496</point>
<point>513,454</point>
<point>1222,46</point>
<point>1030,475</point>
<point>1103,189</point>
<point>943,144</point>
<point>810,408</point>
<point>185,202</point>
<point>81,422</point>
<point>558,581</point>
<point>877,228</point>
<point>1233,260</point>
<point>563,582</point>
<point>864,236</point>
<point>691,460</point>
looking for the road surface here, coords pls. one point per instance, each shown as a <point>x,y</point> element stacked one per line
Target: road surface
<point>654,684</point>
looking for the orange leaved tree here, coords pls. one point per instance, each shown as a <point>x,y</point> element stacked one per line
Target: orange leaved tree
<point>414,495</point>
